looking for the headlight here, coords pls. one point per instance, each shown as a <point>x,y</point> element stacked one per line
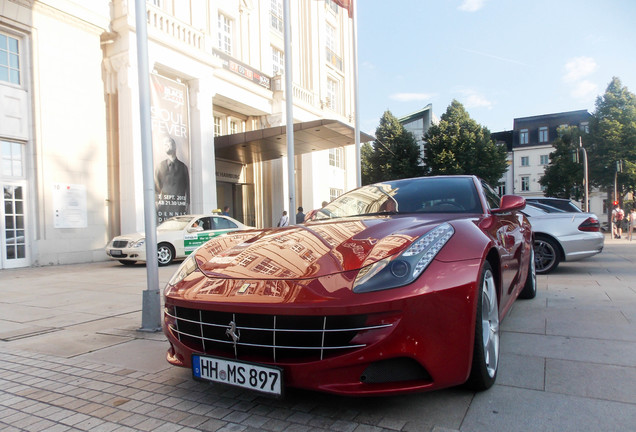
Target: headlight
<point>186,268</point>
<point>404,268</point>
<point>138,243</point>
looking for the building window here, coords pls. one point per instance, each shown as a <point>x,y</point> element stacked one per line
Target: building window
<point>9,59</point>
<point>525,160</point>
<point>501,189</point>
<point>545,159</point>
<point>525,184</point>
<point>278,61</point>
<point>333,101</point>
<point>12,159</point>
<point>336,157</point>
<point>585,127</point>
<point>225,34</point>
<point>234,127</point>
<point>543,134</point>
<point>218,126</point>
<point>157,3</point>
<point>523,136</point>
<point>276,12</point>
<point>334,193</point>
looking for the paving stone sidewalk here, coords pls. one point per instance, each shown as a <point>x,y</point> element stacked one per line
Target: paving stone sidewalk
<point>71,359</point>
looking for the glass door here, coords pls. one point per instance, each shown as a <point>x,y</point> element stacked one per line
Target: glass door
<point>13,225</point>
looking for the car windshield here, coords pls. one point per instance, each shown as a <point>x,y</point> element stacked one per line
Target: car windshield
<point>420,195</point>
<point>175,224</point>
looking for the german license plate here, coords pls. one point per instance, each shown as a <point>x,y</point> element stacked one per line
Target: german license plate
<point>251,376</point>
<point>115,252</point>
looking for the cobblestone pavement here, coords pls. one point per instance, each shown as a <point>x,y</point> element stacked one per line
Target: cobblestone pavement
<point>72,359</point>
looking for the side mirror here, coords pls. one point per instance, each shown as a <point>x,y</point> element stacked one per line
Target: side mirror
<point>510,203</point>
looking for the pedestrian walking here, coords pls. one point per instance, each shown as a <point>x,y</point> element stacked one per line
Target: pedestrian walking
<point>632,223</point>
<point>617,218</point>
<point>284,219</point>
<point>300,216</point>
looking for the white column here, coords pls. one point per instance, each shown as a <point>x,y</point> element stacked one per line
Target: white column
<point>130,167</point>
<point>203,169</point>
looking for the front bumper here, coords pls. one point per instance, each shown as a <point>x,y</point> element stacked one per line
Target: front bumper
<point>420,336</point>
<point>126,254</point>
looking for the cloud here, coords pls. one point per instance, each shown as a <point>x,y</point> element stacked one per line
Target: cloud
<point>584,90</point>
<point>473,99</point>
<point>409,97</point>
<point>576,71</point>
<point>471,5</point>
<point>578,68</point>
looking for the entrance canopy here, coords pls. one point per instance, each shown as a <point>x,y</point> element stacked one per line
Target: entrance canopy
<point>271,143</point>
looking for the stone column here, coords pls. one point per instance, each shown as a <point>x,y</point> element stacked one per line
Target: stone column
<point>203,169</point>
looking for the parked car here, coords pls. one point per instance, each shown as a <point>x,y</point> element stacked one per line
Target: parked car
<point>394,287</point>
<point>553,205</point>
<point>177,237</point>
<point>563,236</point>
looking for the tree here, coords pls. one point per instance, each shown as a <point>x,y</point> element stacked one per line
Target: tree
<point>613,138</point>
<point>563,177</point>
<point>393,155</point>
<point>459,145</point>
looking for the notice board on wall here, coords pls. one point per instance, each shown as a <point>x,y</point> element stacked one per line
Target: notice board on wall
<point>69,206</point>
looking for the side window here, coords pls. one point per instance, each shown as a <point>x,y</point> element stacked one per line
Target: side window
<point>222,223</point>
<point>491,196</point>
<point>206,223</point>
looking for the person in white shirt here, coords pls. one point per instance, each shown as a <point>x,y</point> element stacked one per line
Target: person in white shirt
<point>284,220</point>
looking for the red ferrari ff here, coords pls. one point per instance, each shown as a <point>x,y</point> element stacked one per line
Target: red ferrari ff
<point>394,287</point>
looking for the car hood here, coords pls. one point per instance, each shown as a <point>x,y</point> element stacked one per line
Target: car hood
<point>311,250</point>
<point>129,237</point>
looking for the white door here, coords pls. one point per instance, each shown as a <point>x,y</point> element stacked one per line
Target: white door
<point>13,238</point>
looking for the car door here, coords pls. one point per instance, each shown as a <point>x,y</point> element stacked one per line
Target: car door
<point>509,232</point>
<point>197,233</point>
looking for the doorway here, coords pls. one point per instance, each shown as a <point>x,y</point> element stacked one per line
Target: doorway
<point>13,226</point>
<point>240,198</point>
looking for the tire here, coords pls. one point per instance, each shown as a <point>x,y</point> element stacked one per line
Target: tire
<point>483,372</point>
<point>547,255</point>
<point>165,254</point>
<point>128,263</point>
<point>529,290</point>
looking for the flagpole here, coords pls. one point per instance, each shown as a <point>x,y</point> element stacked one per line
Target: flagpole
<point>356,102</point>
<point>289,113</point>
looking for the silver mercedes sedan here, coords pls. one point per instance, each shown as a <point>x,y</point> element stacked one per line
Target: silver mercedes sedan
<point>563,236</point>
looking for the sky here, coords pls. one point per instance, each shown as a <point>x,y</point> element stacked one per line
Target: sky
<point>502,59</point>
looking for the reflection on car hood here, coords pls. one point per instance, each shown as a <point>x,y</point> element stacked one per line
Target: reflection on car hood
<point>311,250</point>
<point>130,237</point>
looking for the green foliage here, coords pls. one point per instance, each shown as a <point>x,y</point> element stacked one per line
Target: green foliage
<point>393,155</point>
<point>459,145</point>
<point>563,177</point>
<point>613,138</point>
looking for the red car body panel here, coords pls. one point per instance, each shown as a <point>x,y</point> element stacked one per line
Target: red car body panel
<point>432,319</point>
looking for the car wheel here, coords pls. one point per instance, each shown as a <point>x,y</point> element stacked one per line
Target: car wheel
<point>529,290</point>
<point>546,255</point>
<point>486,350</point>
<point>165,254</point>
<point>127,263</point>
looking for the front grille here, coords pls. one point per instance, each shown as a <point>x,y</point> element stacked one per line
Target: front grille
<point>268,337</point>
<point>120,243</point>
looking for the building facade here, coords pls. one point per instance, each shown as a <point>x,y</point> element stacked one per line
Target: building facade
<point>532,143</point>
<point>70,119</point>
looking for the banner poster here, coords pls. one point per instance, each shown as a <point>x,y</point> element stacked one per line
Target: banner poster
<point>171,146</point>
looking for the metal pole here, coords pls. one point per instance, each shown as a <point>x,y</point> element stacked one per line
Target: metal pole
<point>585,180</point>
<point>356,100</point>
<point>151,307</point>
<point>289,112</point>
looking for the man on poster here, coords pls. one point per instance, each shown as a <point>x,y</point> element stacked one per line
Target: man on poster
<point>172,183</point>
